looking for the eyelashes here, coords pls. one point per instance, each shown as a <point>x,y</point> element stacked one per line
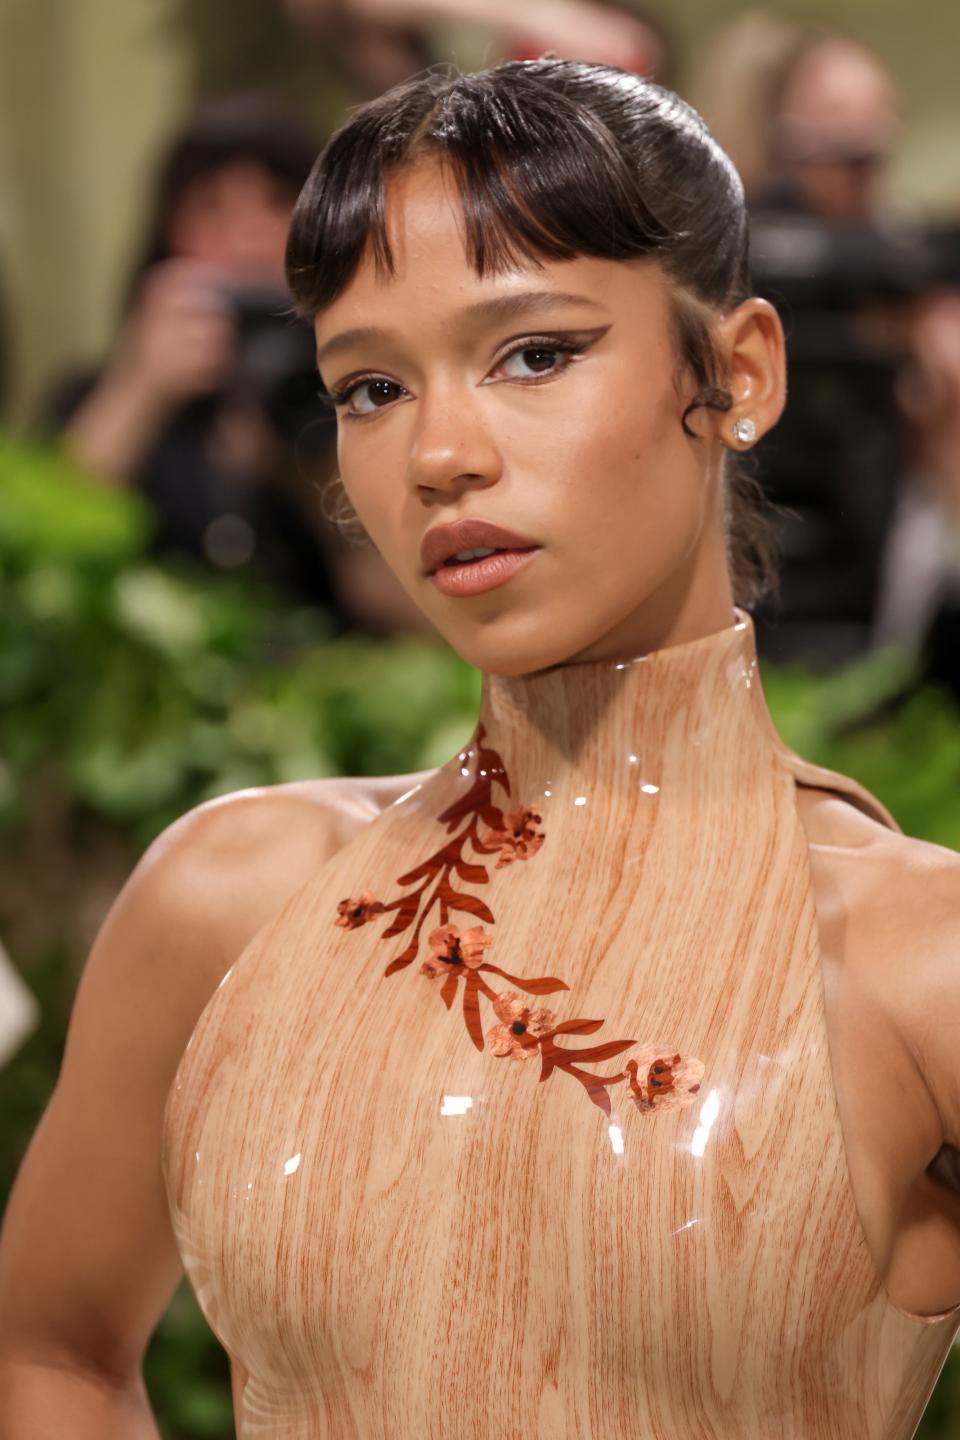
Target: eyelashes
<point>563,345</point>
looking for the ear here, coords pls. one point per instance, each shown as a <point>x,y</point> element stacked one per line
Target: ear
<point>753,353</point>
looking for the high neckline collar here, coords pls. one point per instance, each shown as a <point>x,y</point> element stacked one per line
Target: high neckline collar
<point>601,724</point>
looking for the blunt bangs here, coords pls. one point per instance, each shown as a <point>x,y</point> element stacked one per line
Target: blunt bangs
<point>539,175</point>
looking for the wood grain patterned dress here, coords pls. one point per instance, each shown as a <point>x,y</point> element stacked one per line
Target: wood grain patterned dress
<point>518,1120</point>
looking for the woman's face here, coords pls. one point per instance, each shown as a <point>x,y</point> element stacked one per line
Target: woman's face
<point>235,217</point>
<point>543,401</point>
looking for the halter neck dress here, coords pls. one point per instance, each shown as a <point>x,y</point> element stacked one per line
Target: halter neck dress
<point>518,1119</point>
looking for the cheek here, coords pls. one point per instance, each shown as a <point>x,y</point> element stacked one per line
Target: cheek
<point>610,467</point>
<point>376,491</point>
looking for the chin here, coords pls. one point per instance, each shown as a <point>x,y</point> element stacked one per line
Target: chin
<point>514,644</point>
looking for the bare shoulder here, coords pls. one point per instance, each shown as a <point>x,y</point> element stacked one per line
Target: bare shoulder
<point>895,900</point>
<point>232,862</point>
<point>856,842</point>
<point>88,1259</point>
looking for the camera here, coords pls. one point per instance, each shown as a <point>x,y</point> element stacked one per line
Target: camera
<point>276,362</point>
<point>814,264</point>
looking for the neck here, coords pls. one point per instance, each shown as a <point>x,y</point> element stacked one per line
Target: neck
<point>693,713</point>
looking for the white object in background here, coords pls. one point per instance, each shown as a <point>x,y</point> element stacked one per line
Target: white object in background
<point>18,1009</point>
<point>919,568</point>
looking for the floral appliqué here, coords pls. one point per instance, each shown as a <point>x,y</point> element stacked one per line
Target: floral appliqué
<point>662,1080</point>
<point>519,837</point>
<point>457,961</point>
<point>352,913</point>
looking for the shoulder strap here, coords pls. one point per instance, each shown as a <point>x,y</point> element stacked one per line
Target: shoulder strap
<point>805,772</point>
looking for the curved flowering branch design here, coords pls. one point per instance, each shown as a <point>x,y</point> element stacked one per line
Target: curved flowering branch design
<point>514,836</point>
<point>458,957</point>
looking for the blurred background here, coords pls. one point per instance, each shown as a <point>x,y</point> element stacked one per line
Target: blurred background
<point>185,608</point>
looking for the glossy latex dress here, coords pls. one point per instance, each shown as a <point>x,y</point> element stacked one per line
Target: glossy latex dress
<point>572,1167</point>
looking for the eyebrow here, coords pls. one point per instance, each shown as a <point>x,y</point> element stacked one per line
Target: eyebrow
<point>500,308</point>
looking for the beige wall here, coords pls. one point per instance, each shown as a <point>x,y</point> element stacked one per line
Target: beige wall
<point>90,88</point>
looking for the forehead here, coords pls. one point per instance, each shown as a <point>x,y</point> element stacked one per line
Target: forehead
<point>435,278</point>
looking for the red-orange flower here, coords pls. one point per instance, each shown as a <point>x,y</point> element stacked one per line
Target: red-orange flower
<point>452,949</point>
<point>352,913</point>
<point>518,1034</point>
<point>519,837</point>
<point>661,1079</point>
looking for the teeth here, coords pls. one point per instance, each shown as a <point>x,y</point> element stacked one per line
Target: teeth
<point>462,556</point>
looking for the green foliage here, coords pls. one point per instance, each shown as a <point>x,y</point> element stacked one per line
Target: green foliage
<point>872,721</point>
<point>130,691</point>
<point>152,688</point>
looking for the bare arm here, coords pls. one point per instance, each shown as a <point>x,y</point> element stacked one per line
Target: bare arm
<point>178,343</point>
<point>41,1399</point>
<point>582,29</point>
<point>114,427</point>
<point>88,1260</point>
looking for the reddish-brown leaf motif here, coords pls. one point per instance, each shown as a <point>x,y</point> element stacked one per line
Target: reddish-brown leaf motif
<point>542,985</point>
<point>449,989</point>
<point>406,915</point>
<point>473,874</point>
<point>471,904</point>
<point>577,1027</point>
<point>457,954</point>
<point>556,1057</point>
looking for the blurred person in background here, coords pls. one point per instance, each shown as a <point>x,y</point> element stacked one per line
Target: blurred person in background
<point>172,411</point>
<point>383,41</point>
<point>920,605</point>
<point>812,118</point>
<point>834,120</point>
<point>208,402</point>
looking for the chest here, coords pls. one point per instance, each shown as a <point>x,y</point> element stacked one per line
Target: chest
<point>563,1142</point>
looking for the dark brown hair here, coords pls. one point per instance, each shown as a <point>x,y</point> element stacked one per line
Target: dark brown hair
<point>555,158</point>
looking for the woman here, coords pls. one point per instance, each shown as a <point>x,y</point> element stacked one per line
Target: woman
<point>529,290</point>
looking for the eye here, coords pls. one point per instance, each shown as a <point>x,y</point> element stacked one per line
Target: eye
<point>538,355</point>
<point>379,389</point>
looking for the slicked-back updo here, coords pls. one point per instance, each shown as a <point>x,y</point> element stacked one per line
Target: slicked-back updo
<point>555,159</point>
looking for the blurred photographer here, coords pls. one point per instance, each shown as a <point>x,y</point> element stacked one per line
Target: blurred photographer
<point>920,605</point>
<point>207,402</point>
<point>812,117</point>
<point>827,252</point>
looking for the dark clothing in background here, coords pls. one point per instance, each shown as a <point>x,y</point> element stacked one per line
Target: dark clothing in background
<point>940,652</point>
<point>190,495</point>
<point>835,458</point>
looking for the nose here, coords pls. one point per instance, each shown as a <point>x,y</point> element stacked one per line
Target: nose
<point>452,447</point>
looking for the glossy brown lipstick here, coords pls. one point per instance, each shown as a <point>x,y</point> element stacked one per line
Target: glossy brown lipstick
<point>440,546</point>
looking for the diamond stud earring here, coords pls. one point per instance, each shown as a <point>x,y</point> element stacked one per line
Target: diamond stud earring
<point>745,430</point>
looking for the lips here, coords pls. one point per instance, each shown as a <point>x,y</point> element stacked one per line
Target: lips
<point>444,541</point>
